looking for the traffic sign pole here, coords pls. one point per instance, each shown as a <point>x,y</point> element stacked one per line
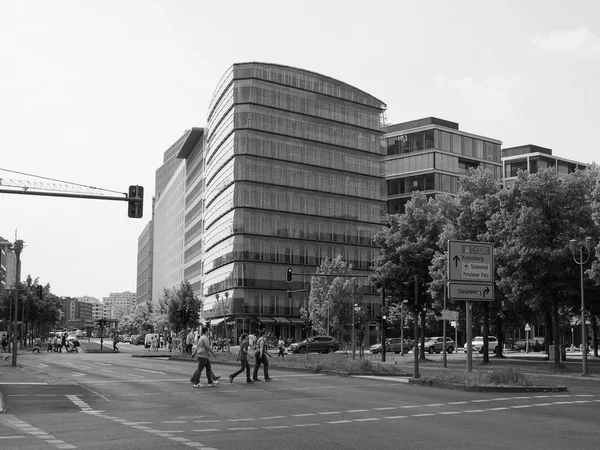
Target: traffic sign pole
<point>469,338</point>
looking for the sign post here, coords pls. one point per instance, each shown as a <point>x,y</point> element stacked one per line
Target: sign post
<point>470,278</point>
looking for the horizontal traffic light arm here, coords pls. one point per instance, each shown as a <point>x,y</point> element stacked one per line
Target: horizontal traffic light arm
<point>69,195</point>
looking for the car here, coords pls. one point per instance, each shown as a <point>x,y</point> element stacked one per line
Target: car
<point>477,344</point>
<point>148,339</point>
<point>140,339</point>
<point>393,345</point>
<point>125,338</point>
<point>436,344</point>
<point>521,345</point>
<point>317,344</point>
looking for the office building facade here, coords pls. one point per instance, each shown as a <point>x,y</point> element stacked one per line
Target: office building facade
<point>532,158</point>
<point>430,155</point>
<point>288,171</point>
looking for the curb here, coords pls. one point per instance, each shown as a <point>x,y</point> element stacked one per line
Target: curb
<point>464,387</point>
<point>1,403</point>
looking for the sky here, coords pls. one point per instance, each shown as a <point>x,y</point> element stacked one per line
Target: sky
<point>94,92</point>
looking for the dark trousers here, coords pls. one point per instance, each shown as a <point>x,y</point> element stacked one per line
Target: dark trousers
<point>63,343</point>
<point>265,364</point>
<point>202,363</point>
<point>246,366</point>
<point>281,353</point>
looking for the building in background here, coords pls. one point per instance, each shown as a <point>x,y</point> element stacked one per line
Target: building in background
<point>145,263</point>
<point>125,300</point>
<point>430,155</point>
<point>8,264</point>
<point>532,158</point>
<point>74,313</point>
<point>288,171</point>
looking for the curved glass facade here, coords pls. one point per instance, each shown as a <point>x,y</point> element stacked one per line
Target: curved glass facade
<point>293,172</point>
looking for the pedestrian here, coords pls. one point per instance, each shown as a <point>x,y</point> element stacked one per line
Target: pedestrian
<point>115,342</point>
<point>37,343</point>
<point>252,341</point>
<point>281,347</point>
<point>49,349</point>
<point>203,350</point>
<point>243,356</point>
<point>189,341</point>
<point>55,343</point>
<point>261,358</point>
<point>170,342</point>
<point>63,343</point>
<point>4,343</point>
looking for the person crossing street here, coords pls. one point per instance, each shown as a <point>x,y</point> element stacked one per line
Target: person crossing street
<point>261,358</point>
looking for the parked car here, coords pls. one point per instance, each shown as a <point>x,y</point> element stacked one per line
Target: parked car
<point>436,344</point>
<point>126,338</point>
<point>521,345</point>
<point>477,344</point>
<point>393,345</point>
<point>148,339</point>
<point>140,339</point>
<point>318,344</point>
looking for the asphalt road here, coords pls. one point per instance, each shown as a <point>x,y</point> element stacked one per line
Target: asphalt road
<point>114,401</point>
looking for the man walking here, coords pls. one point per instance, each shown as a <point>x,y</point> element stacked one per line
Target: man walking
<point>261,358</point>
<point>115,342</point>
<point>203,350</point>
<point>281,347</point>
<point>189,341</point>
<point>243,358</point>
<point>63,343</point>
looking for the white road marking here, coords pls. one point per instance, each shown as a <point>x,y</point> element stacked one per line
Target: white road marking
<point>139,376</point>
<point>103,364</point>
<point>151,371</point>
<point>107,370</point>
<point>77,374</point>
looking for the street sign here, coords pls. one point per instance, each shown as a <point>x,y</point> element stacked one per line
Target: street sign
<point>88,324</point>
<point>449,315</point>
<point>467,291</point>
<point>527,327</point>
<point>470,261</point>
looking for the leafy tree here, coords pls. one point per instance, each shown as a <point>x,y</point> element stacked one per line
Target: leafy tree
<point>408,245</point>
<point>141,318</point>
<point>331,294</point>
<point>536,219</point>
<point>183,307</point>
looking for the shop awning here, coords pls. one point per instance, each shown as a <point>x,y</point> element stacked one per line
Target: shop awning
<point>281,320</point>
<point>265,319</point>
<point>216,321</point>
<point>295,320</point>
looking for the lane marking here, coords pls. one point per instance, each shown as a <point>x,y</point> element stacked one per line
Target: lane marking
<point>151,371</point>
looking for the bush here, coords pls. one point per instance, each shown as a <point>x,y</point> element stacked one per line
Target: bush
<point>500,376</point>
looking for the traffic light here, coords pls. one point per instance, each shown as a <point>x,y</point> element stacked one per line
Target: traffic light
<point>289,274</point>
<point>39,292</point>
<point>420,293</point>
<point>407,292</point>
<point>135,205</point>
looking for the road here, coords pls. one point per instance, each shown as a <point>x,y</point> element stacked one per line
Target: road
<point>114,401</point>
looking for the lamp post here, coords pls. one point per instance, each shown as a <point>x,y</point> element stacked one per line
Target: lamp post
<point>574,245</point>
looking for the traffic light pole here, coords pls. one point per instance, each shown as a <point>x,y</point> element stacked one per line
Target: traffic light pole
<point>416,346</point>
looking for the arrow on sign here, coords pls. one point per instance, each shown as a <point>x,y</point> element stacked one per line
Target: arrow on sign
<point>486,291</point>
<point>456,259</point>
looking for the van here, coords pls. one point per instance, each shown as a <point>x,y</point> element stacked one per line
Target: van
<point>148,339</point>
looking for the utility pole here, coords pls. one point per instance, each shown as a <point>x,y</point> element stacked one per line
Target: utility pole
<point>17,248</point>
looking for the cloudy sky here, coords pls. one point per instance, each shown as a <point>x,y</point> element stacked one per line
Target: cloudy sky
<point>93,92</point>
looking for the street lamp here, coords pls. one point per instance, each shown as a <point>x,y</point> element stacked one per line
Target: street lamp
<point>574,245</point>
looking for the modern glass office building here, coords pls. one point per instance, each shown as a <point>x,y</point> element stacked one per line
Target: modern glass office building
<point>294,173</point>
<point>430,155</point>
<point>532,158</point>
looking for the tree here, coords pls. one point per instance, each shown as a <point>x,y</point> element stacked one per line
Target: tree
<point>183,307</point>
<point>536,218</point>
<point>408,245</point>
<point>331,295</point>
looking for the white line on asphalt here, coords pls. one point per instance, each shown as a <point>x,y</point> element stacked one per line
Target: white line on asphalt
<point>207,421</point>
<point>434,404</point>
<point>328,412</point>
<point>387,408</point>
<point>521,406</point>
<point>473,410</point>
<point>274,427</point>
<point>151,371</point>
<point>308,425</point>
<point>481,401</point>
<point>12,437</point>
<point>457,403</point>
<point>240,420</point>
<point>356,410</point>
<point>368,419</point>
<point>211,429</point>
<point>139,376</point>
<point>77,374</point>
<point>18,395</point>
<point>272,417</point>
<point>449,412</point>
<point>303,415</point>
<point>339,421</point>
<point>242,428</point>
<point>497,409</point>
<point>107,370</point>
<point>172,421</point>
<point>422,415</point>
<point>103,364</point>
<point>45,395</point>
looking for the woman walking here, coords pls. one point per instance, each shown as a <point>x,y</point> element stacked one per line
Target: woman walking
<point>243,359</point>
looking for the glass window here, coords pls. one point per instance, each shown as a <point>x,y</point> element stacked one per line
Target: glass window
<point>456,143</point>
<point>479,148</point>
<point>429,139</point>
<point>467,146</point>
<point>446,141</point>
<point>393,145</point>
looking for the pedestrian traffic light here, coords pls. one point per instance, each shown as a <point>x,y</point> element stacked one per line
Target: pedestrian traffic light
<point>289,274</point>
<point>420,293</point>
<point>135,204</point>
